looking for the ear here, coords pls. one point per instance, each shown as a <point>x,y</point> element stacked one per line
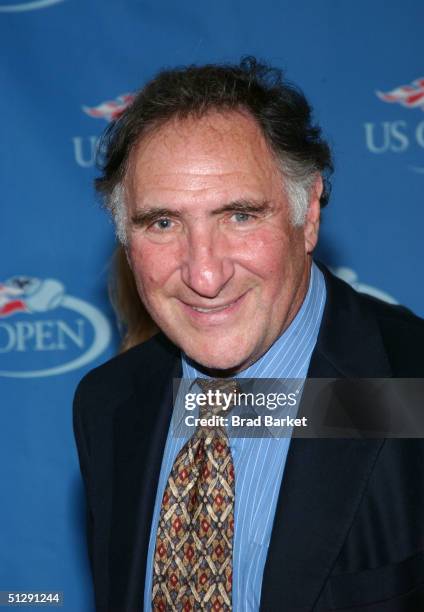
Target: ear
<point>311,226</point>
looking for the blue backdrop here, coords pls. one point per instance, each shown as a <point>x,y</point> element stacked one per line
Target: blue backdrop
<point>67,66</point>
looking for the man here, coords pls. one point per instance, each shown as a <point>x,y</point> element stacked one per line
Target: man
<point>215,177</point>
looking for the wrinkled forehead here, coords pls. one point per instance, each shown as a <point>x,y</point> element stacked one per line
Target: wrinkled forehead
<point>194,153</point>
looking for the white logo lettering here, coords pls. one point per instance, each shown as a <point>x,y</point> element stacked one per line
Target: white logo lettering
<point>390,136</point>
<point>41,335</point>
<point>85,150</point>
<point>419,134</point>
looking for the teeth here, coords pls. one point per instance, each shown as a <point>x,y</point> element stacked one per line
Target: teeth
<point>201,309</point>
<point>206,310</point>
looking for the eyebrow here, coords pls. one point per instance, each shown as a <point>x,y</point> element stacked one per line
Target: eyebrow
<point>146,216</point>
<point>246,206</point>
<point>150,215</point>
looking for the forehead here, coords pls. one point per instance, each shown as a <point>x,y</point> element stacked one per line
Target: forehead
<point>217,151</point>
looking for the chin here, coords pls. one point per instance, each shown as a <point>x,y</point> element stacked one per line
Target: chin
<point>227,359</point>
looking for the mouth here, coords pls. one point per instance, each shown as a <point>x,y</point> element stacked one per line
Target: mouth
<point>213,314</point>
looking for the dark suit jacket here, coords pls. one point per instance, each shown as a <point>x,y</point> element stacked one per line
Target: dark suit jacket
<point>349,525</point>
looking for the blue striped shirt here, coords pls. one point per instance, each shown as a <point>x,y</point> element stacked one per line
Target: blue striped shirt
<point>258,462</point>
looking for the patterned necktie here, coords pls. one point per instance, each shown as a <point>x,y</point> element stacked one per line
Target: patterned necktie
<point>194,543</point>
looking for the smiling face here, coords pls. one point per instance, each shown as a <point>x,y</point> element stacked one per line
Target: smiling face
<point>217,262</point>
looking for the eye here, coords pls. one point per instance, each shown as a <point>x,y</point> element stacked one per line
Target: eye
<point>162,224</point>
<point>242,217</point>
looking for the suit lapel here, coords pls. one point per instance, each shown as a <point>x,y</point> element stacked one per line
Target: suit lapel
<point>141,428</point>
<point>324,479</point>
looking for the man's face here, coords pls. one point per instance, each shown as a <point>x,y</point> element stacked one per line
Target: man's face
<point>217,263</point>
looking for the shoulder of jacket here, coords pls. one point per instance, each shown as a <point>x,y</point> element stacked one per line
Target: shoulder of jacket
<point>113,379</point>
<point>391,316</point>
<point>402,333</point>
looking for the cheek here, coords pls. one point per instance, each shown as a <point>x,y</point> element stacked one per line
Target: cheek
<point>263,253</point>
<point>152,264</point>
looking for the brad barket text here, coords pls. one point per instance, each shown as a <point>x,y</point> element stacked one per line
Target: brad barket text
<point>237,421</point>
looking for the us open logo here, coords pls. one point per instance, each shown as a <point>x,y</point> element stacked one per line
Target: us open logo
<point>86,147</point>
<point>403,134</point>
<point>44,332</point>
<point>30,5</point>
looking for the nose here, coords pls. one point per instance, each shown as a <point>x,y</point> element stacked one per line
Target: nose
<point>207,265</point>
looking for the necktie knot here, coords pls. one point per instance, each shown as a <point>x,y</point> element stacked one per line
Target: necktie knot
<point>221,395</point>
